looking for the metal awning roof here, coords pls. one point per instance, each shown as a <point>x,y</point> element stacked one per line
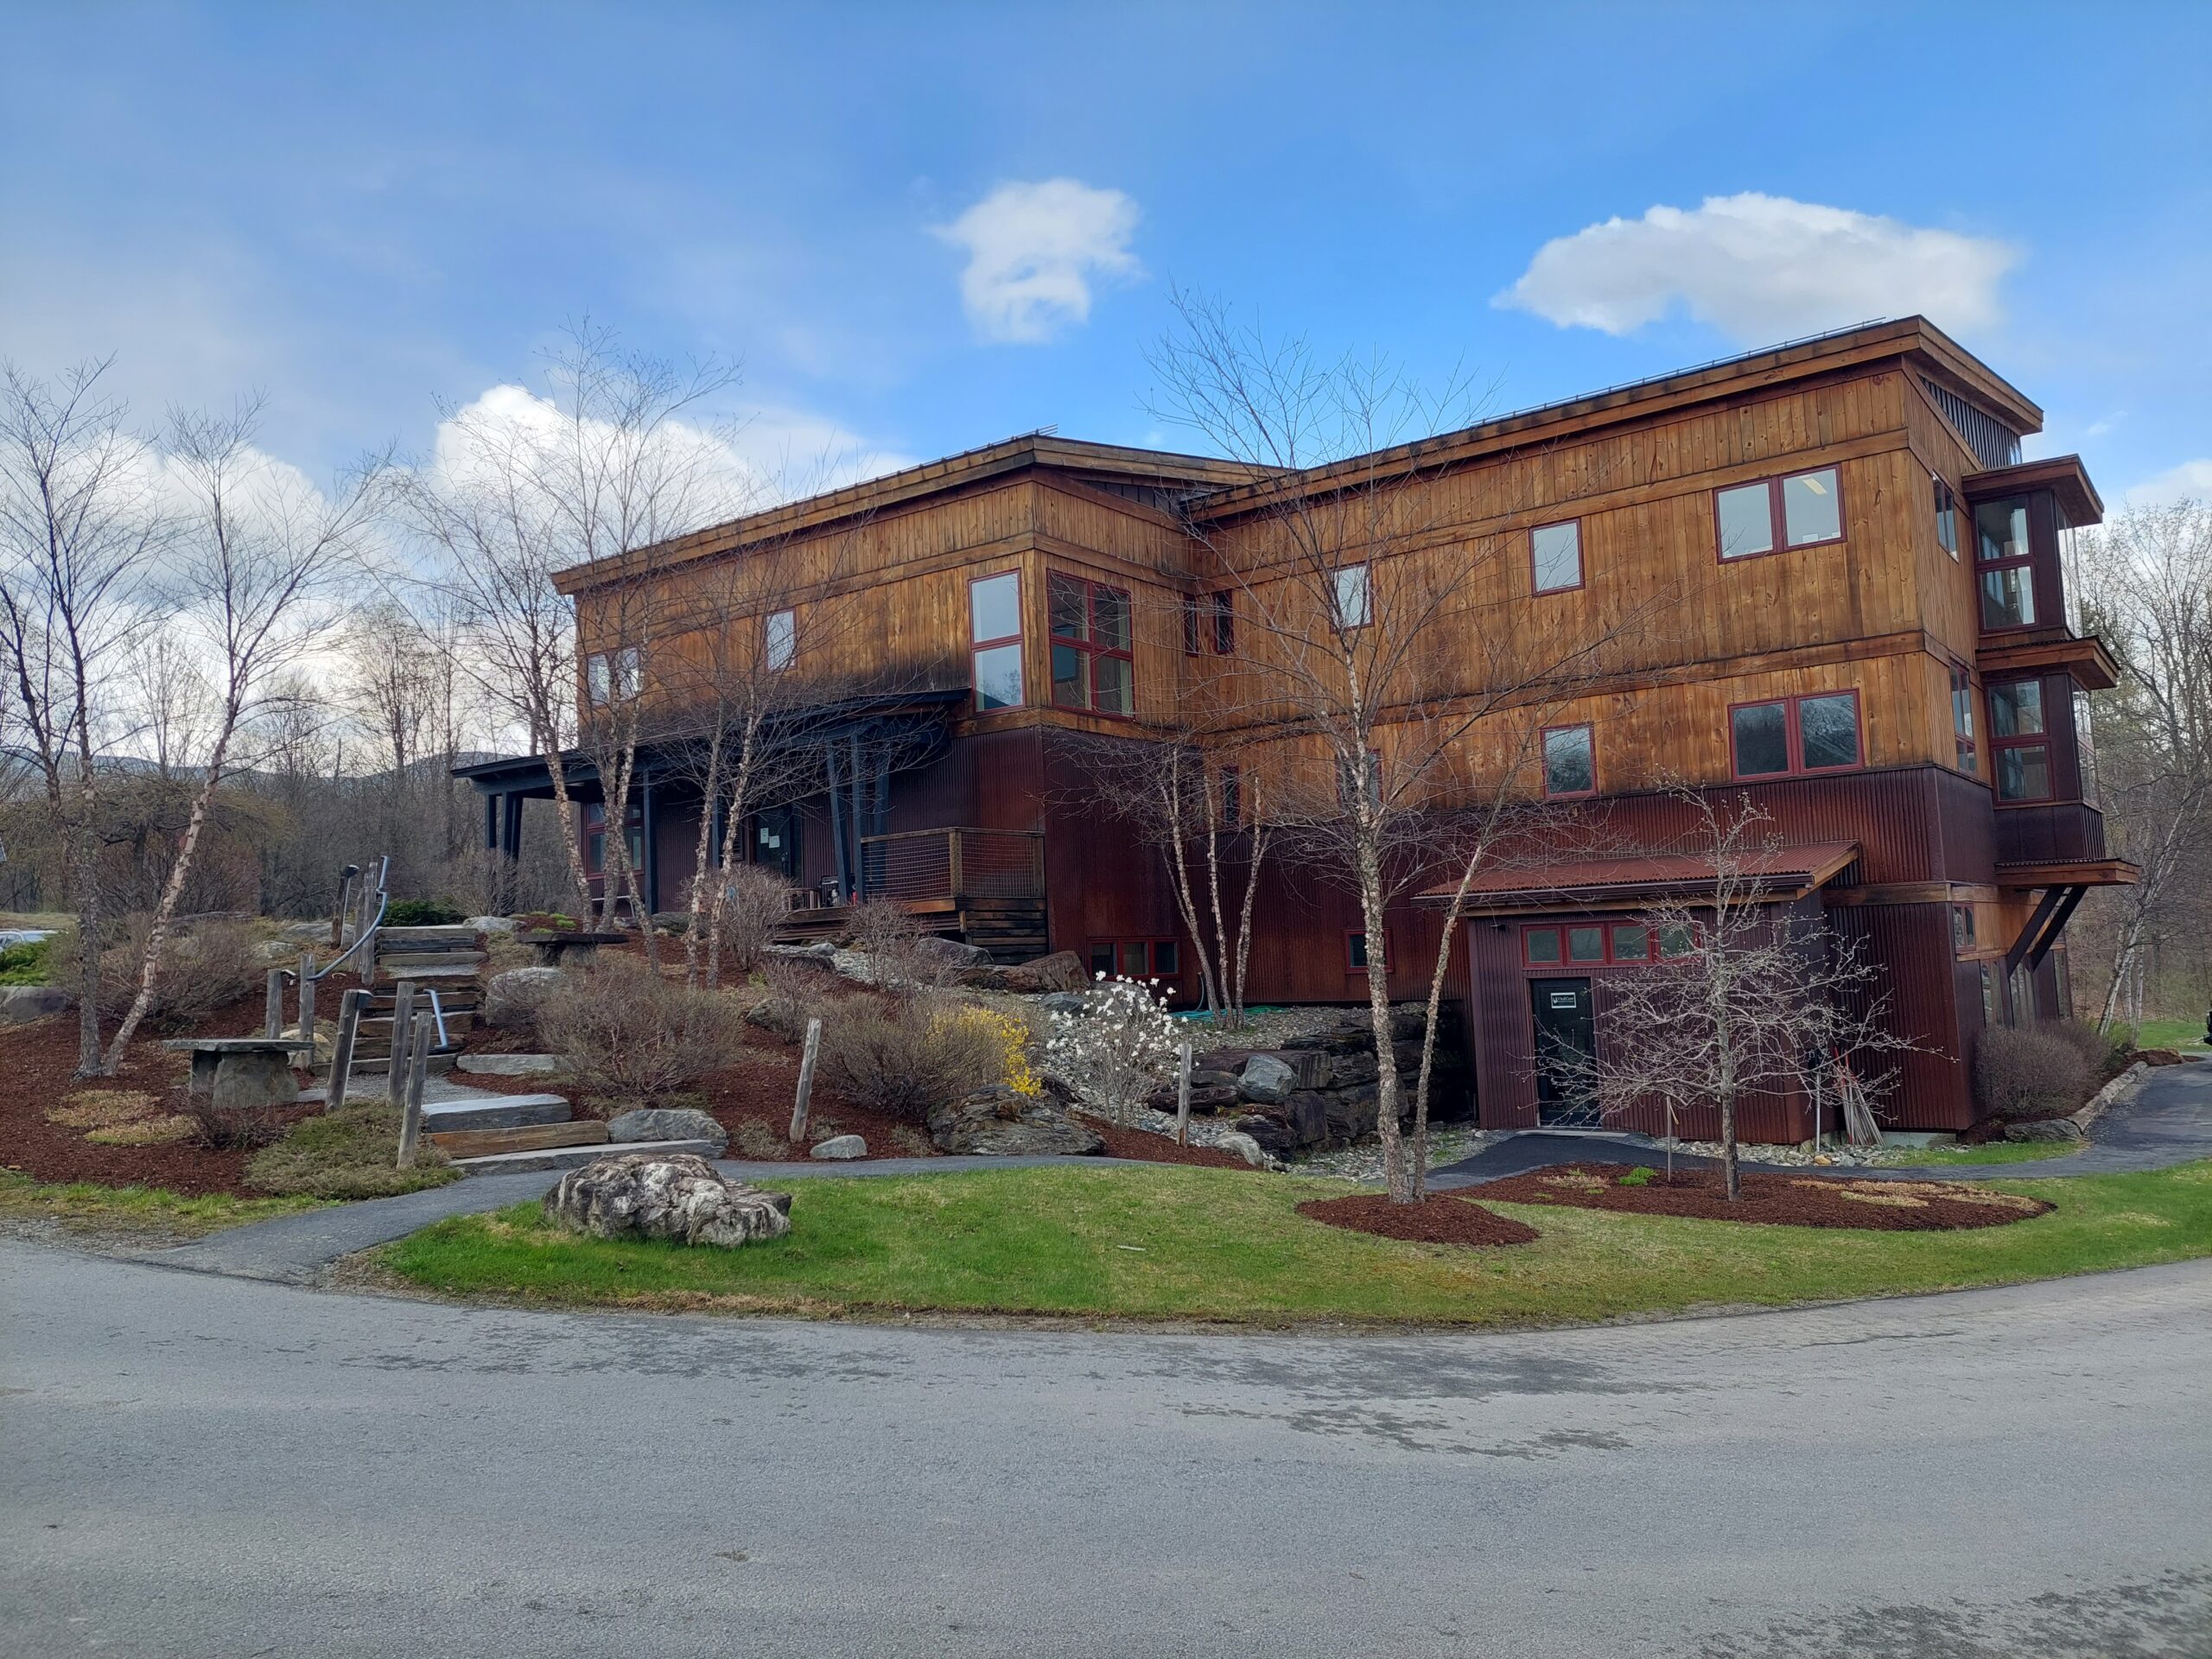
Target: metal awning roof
<point>1780,873</point>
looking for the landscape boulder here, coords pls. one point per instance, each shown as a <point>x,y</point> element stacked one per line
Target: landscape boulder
<point>778,1016</point>
<point>2044,1128</point>
<point>21,1004</point>
<point>492,923</point>
<point>512,999</point>
<point>1245,1147</point>
<point>669,1123</point>
<point>1061,971</point>
<point>999,1122</point>
<point>1067,1002</point>
<point>840,1147</point>
<point>1266,1080</point>
<point>953,953</point>
<point>678,1197</point>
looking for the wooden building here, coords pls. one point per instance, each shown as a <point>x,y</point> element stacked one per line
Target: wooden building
<point>1867,627</point>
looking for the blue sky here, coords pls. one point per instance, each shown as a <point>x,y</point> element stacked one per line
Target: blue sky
<point>925,227</point>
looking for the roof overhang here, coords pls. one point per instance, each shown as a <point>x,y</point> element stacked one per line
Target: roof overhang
<point>2083,872</point>
<point>2064,475</point>
<point>1775,875</point>
<point>2093,667</point>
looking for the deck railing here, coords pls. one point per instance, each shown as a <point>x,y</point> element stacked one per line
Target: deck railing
<point>954,866</point>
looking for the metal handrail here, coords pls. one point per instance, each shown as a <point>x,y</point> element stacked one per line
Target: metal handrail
<point>384,903</point>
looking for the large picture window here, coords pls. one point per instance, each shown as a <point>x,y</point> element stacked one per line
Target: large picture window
<point>2020,741</point>
<point>1798,510</point>
<point>995,635</point>
<point>2002,563</point>
<point>1092,665</point>
<point>1791,736</point>
<point>1570,762</point>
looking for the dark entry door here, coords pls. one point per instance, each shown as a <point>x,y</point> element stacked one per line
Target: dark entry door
<point>1567,1028</point>
<point>775,841</point>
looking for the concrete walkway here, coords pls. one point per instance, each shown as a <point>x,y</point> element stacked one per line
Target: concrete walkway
<point>2169,1122</point>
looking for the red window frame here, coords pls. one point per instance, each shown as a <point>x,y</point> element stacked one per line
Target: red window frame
<point>2042,740</point>
<point>1163,956</point>
<point>1611,956</point>
<point>1793,736</point>
<point>2024,561</point>
<point>1535,580</point>
<point>1088,647</point>
<point>1947,517</point>
<point>1966,753</point>
<point>1543,742</point>
<point>595,836</point>
<point>1357,968</point>
<point>1778,515</point>
<point>976,646</point>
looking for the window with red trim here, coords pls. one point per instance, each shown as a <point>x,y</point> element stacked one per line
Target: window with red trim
<point>994,639</point>
<point>595,837</point>
<point>1135,958</point>
<point>1587,945</point>
<point>2020,741</point>
<point>1792,736</point>
<point>1092,665</point>
<point>1570,761</point>
<point>2003,563</point>
<point>1357,957</point>
<point>1770,514</point>
<point>1969,758</point>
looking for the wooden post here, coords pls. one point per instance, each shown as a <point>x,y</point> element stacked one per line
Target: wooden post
<point>410,1112</point>
<point>805,1101</point>
<point>341,1058</point>
<point>307,1002</point>
<point>273,1018</point>
<point>1182,1097</point>
<point>339,917</point>
<point>402,1017</point>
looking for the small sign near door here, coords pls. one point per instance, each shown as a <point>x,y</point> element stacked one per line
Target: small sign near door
<point>1564,998</point>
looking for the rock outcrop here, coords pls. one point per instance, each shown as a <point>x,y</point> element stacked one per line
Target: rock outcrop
<point>667,1123</point>
<point>998,1121</point>
<point>512,999</point>
<point>680,1196</point>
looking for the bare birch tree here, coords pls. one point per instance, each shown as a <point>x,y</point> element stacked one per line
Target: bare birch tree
<point>80,531</point>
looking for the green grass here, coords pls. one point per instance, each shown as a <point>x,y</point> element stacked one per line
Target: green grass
<point>1997,1152</point>
<point>26,964</point>
<point>346,1154</point>
<point>87,1207</point>
<point>2171,1033</point>
<point>1183,1243</point>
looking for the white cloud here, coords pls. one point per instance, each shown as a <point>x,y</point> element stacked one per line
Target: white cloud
<point>1034,251</point>
<point>1760,268</point>
<point>2191,480</point>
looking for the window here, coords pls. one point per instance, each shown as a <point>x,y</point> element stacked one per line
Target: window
<point>1167,959</point>
<point>611,674</point>
<point>595,837</point>
<point>1134,959</point>
<point>1539,946</point>
<point>1795,735</point>
<point>1969,758</point>
<point>1103,957</point>
<point>1675,940</point>
<point>1355,597</point>
<point>1632,942</point>
<point>1803,510</point>
<point>2019,741</point>
<point>1988,996</point>
<point>1570,762</point>
<point>2001,557</point>
<point>994,635</point>
<point>1357,959</point>
<point>1962,927</point>
<point>780,640</point>
<point>1092,667</point>
<point>1947,518</point>
<point>1587,945</point>
<point>1190,625</point>
<point>2085,746</point>
<point>1232,797</point>
<point>1555,557</point>
<point>1224,624</point>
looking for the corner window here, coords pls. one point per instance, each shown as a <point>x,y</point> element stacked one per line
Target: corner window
<point>780,640</point>
<point>1224,606</point>
<point>2002,563</point>
<point>1570,762</point>
<point>1799,510</point>
<point>1555,555</point>
<point>1946,519</point>
<point>2019,741</point>
<point>1967,752</point>
<point>611,674</point>
<point>995,636</point>
<point>1092,666</point>
<point>1819,733</point>
<point>1962,927</point>
<point>1354,597</point>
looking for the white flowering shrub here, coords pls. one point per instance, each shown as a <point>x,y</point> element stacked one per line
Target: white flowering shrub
<point>1117,1048</point>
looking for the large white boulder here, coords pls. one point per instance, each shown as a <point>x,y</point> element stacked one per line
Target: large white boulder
<point>676,1196</point>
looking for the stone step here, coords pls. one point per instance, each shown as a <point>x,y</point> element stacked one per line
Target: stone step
<point>507,1163</point>
<point>494,1112</point>
<point>519,1137</point>
<point>513,1065</point>
<point>380,1061</point>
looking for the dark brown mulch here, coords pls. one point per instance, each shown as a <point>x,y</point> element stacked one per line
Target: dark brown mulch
<point>1779,1200</point>
<point>1153,1148</point>
<point>1443,1218</point>
<point>37,1061</point>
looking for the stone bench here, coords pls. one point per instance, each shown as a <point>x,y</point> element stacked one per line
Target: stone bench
<point>236,1074</point>
<point>552,945</point>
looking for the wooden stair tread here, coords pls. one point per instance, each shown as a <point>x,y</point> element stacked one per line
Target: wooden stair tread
<point>521,1137</point>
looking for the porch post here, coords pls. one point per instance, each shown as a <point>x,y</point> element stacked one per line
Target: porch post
<point>837,826</point>
<point>859,782</point>
<point>649,812</point>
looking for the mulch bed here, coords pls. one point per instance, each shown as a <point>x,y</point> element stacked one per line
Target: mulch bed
<point>1153,1148</point>
<point>1778,1200</point>
<point>1444,1218</point>
<point>37,1061</point>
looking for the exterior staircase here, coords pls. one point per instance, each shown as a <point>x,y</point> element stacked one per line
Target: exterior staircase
<point>489,1135</point>
<point>450,960</point>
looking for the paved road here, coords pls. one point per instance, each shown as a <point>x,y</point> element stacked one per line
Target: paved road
<point>198,1466</point>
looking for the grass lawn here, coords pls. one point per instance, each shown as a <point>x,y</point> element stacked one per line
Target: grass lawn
<point>1997,1152</point>
<point>2171,1033</point>
<point>85,1206</point>
<point>1184,1243</point>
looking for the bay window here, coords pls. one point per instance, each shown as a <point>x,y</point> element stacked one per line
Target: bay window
<point>2020,741</point>
<point>2003,565</point>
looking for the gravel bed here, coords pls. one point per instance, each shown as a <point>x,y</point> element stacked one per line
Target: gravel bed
<point>1364,1163</point>
<point>1829,1157</point>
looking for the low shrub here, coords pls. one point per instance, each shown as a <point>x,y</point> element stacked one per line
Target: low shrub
<point>203,967</point>
<point>422,912</point>
<point>906,1058</point>
<point>2099,1050</point>
<point>2027,1072</point>
<point>26,963</point>
<point>346,1154</point>
<point>631,1038</point>
<point>754,901</point>
<point>226,1128</point>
